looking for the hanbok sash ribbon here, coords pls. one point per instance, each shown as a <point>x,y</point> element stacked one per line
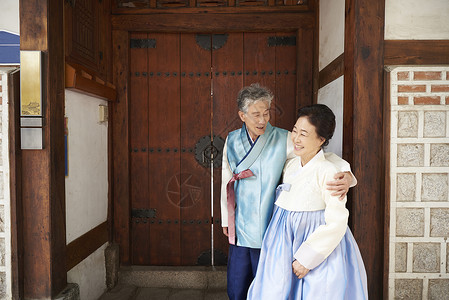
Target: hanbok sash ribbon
<point>231,202</point>
<point>282,187</point>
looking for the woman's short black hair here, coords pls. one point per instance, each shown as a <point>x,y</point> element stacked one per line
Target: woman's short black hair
<point>322,118</point>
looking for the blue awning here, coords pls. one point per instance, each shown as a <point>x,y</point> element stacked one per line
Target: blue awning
<point>9,48</point>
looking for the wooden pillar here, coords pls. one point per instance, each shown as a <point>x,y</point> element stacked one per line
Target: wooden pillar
<point>120,140</point>
<point>363,131</point>
<point>43,181</point>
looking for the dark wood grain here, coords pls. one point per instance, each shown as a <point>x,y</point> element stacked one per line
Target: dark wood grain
<point>285,91</point>
<point>225,118</point>
<point>120,153</point>
<point>305,67</point>
<point>43,180</point>
<point>212,22</point>
<point>138,139</point>
<point>217,10</point>
<point>363,133</point>
<point>85,245</point>
<point>416,52</point>
<point>15,170</point>
<point>164,133</point>
<point>195,116</point>
<point>332,71</point>
<point>77,80</point>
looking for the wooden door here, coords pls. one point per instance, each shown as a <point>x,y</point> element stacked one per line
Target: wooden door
<point>182,105</point>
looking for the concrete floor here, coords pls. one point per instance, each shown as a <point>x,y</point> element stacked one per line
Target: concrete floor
<point>129,292</point>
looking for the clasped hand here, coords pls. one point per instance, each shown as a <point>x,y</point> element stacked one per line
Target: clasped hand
<point>299,270</point>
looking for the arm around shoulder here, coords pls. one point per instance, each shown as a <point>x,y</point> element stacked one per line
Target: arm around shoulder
<point>342,166</point>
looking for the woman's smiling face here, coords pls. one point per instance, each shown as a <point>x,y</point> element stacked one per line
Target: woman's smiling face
<point>305,140</point>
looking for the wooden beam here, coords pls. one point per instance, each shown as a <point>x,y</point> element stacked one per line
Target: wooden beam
<point>363,131</point>
<point>332,71</point>
<point>120,140</point>
<point>416,52</point>
<point>213,22</point>
<point>15,184</point>
<point>85,245</point>
<point>43,180</point>
<point>230,9</point>
<point>79,80</point>
<point>304,66</point>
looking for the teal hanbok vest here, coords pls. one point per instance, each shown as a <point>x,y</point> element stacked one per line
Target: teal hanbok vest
<point>255,195</point>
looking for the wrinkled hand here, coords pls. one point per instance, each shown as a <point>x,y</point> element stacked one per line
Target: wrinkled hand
<point>340,185</point>
<point>225,231</point>
<point>299,270</point>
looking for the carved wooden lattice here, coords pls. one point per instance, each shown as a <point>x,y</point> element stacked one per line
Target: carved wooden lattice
<point>85,44</point>
<point>164,4</point>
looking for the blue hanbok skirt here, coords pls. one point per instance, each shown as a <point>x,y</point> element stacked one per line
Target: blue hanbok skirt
<point>341,275</point>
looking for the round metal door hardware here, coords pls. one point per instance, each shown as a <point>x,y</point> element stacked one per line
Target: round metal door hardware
<point>208,150</point>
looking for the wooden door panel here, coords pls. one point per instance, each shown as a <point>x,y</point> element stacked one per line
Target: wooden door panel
<point>227,80</point>
<point>227,77</point>
<point>138,112</point>
<point>284,107</point>
<point>171,111</point>
<point>260,62</point>
<point>195,124</point>
<point>164,145</point>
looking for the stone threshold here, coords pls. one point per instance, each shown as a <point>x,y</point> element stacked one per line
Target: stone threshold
<point>195,277</point>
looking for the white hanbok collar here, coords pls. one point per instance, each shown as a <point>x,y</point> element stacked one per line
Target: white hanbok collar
<point>318,156</point>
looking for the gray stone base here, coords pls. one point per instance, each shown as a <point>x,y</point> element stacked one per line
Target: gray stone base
<point>71,292</point>
<point>199,277</point>
<point>112,262</point>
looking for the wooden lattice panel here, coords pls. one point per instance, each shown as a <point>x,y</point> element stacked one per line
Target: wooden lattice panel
<point>172,3</point>
<point>85,44</point>
<point>211,3</point>
<point>133,3</point>
<point>167,4</point>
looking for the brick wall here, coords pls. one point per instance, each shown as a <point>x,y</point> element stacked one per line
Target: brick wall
<point>419,198</point>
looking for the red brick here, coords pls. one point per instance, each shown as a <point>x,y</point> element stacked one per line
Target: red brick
<point>0,87</point>
<point>440,88</point>
<point>427,75</point>
<point>429,100</point>
<point>447,100</point>
<point>403,76</point>
<point>1,101</point>
<point>402,100</point>
<point>411,88</point>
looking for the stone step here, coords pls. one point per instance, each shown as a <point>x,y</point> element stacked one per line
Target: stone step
<point>197,277</point>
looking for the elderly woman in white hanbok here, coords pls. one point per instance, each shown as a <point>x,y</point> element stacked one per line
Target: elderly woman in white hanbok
<point>308,251</point>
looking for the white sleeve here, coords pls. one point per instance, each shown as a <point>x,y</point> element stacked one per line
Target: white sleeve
<point>226,175</point>
<point>342,165</point>
<point>320,244</point>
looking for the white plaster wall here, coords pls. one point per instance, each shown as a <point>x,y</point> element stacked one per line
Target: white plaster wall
<point>90,275</point>
<point>416,19</point>
<point>86,186</point>
<point>332,96</point>
<point>332,31</point>
<point>87,180</point>
<point>9,15</point>
<point>4,186</point>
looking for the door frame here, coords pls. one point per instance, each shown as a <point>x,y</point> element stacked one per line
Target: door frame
<point>122,25</point>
